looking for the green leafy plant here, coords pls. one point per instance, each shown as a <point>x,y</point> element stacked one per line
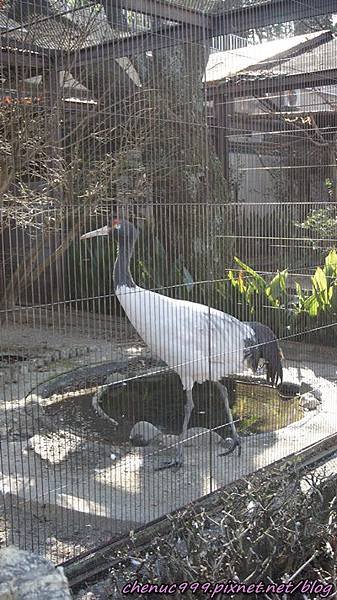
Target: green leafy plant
<point>322,298</point>
<point>321,224</point>
<point>252,285</point>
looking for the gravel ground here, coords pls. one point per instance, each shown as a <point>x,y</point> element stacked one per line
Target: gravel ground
<point>49,445</point>
<point>46,351</point>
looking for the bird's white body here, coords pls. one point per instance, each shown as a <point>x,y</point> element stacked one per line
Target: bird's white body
<point>200,343</point>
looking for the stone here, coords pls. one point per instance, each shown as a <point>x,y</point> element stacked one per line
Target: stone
<point>167,440</point>
<point>305,388</point>
<point>143,433</point>
<point>309,401</point>
<point>27,576</point>
<point>317,393</point>
<point>115,378</point>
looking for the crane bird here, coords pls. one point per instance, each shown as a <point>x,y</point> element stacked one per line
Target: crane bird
<point>198,342</point>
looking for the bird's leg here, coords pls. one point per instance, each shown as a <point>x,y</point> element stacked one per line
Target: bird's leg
<point>178,459</point>
<point>189,405</point>
<point>235,440</point>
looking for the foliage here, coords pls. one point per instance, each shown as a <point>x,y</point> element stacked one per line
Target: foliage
<point>323,297</point>
<point>156,269</point>
<point>252,285</point>
<point>321,224</point>
<point>319,303</point>
<point>260,299</point>
<point>59,171</point>
<point>314,24</point>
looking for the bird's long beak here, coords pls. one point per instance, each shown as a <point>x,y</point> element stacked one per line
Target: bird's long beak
<point>96,232</point>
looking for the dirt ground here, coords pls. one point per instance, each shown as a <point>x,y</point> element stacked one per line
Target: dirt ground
<point>65,485</point>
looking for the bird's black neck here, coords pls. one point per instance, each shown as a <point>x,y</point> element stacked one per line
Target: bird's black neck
<point>122,274</point>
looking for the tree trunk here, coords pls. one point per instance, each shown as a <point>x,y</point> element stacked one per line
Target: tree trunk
<point>165,123</point>
<point>189,189</point>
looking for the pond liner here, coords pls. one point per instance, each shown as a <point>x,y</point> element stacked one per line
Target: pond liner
<point>93,563</point>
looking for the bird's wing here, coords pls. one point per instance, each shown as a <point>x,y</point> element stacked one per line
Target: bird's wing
<point>223,338</point>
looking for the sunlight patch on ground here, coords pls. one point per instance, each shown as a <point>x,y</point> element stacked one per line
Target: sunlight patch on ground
<point>54,447</point>
<point>83,505</point>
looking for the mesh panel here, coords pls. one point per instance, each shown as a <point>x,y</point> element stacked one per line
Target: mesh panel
<point>200,137</point>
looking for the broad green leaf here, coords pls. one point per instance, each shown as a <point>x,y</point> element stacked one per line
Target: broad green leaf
<point>333,297</point>
<point>241,284</point>
<point>319,280</point>
<point>277,285</point>
<point>260,282</point>
<point>311,305</point>
<point>283,280</point>
<point>299,291</point>
<point>330,267</point>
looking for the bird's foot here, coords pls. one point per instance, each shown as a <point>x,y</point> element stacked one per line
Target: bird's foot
<point>170,464</point>
<point>175,462</point>
<point>233,443</point>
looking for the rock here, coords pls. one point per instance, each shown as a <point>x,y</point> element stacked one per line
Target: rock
<point>309,391</point>
<point>314,391</point>
<point>99,591</point>
<point>167,440</point>
<point>115,378</point>
<point>143,433</point>
<point>309,402</point>
<point>305,388</point>
<point>95,403</point>
<point>26,576</point>
<point>317,393</point>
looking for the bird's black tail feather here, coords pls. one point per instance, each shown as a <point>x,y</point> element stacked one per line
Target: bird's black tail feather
<point>266,347</point>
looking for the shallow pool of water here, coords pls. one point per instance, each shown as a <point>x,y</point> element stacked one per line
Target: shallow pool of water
<point>159,399</point>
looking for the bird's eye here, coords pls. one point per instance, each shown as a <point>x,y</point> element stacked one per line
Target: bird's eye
<point>117,226</point>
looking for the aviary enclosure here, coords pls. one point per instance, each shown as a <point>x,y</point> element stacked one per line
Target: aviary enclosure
<point>211,128</point>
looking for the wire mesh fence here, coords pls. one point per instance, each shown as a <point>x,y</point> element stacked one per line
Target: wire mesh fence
<point>198,143</point>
